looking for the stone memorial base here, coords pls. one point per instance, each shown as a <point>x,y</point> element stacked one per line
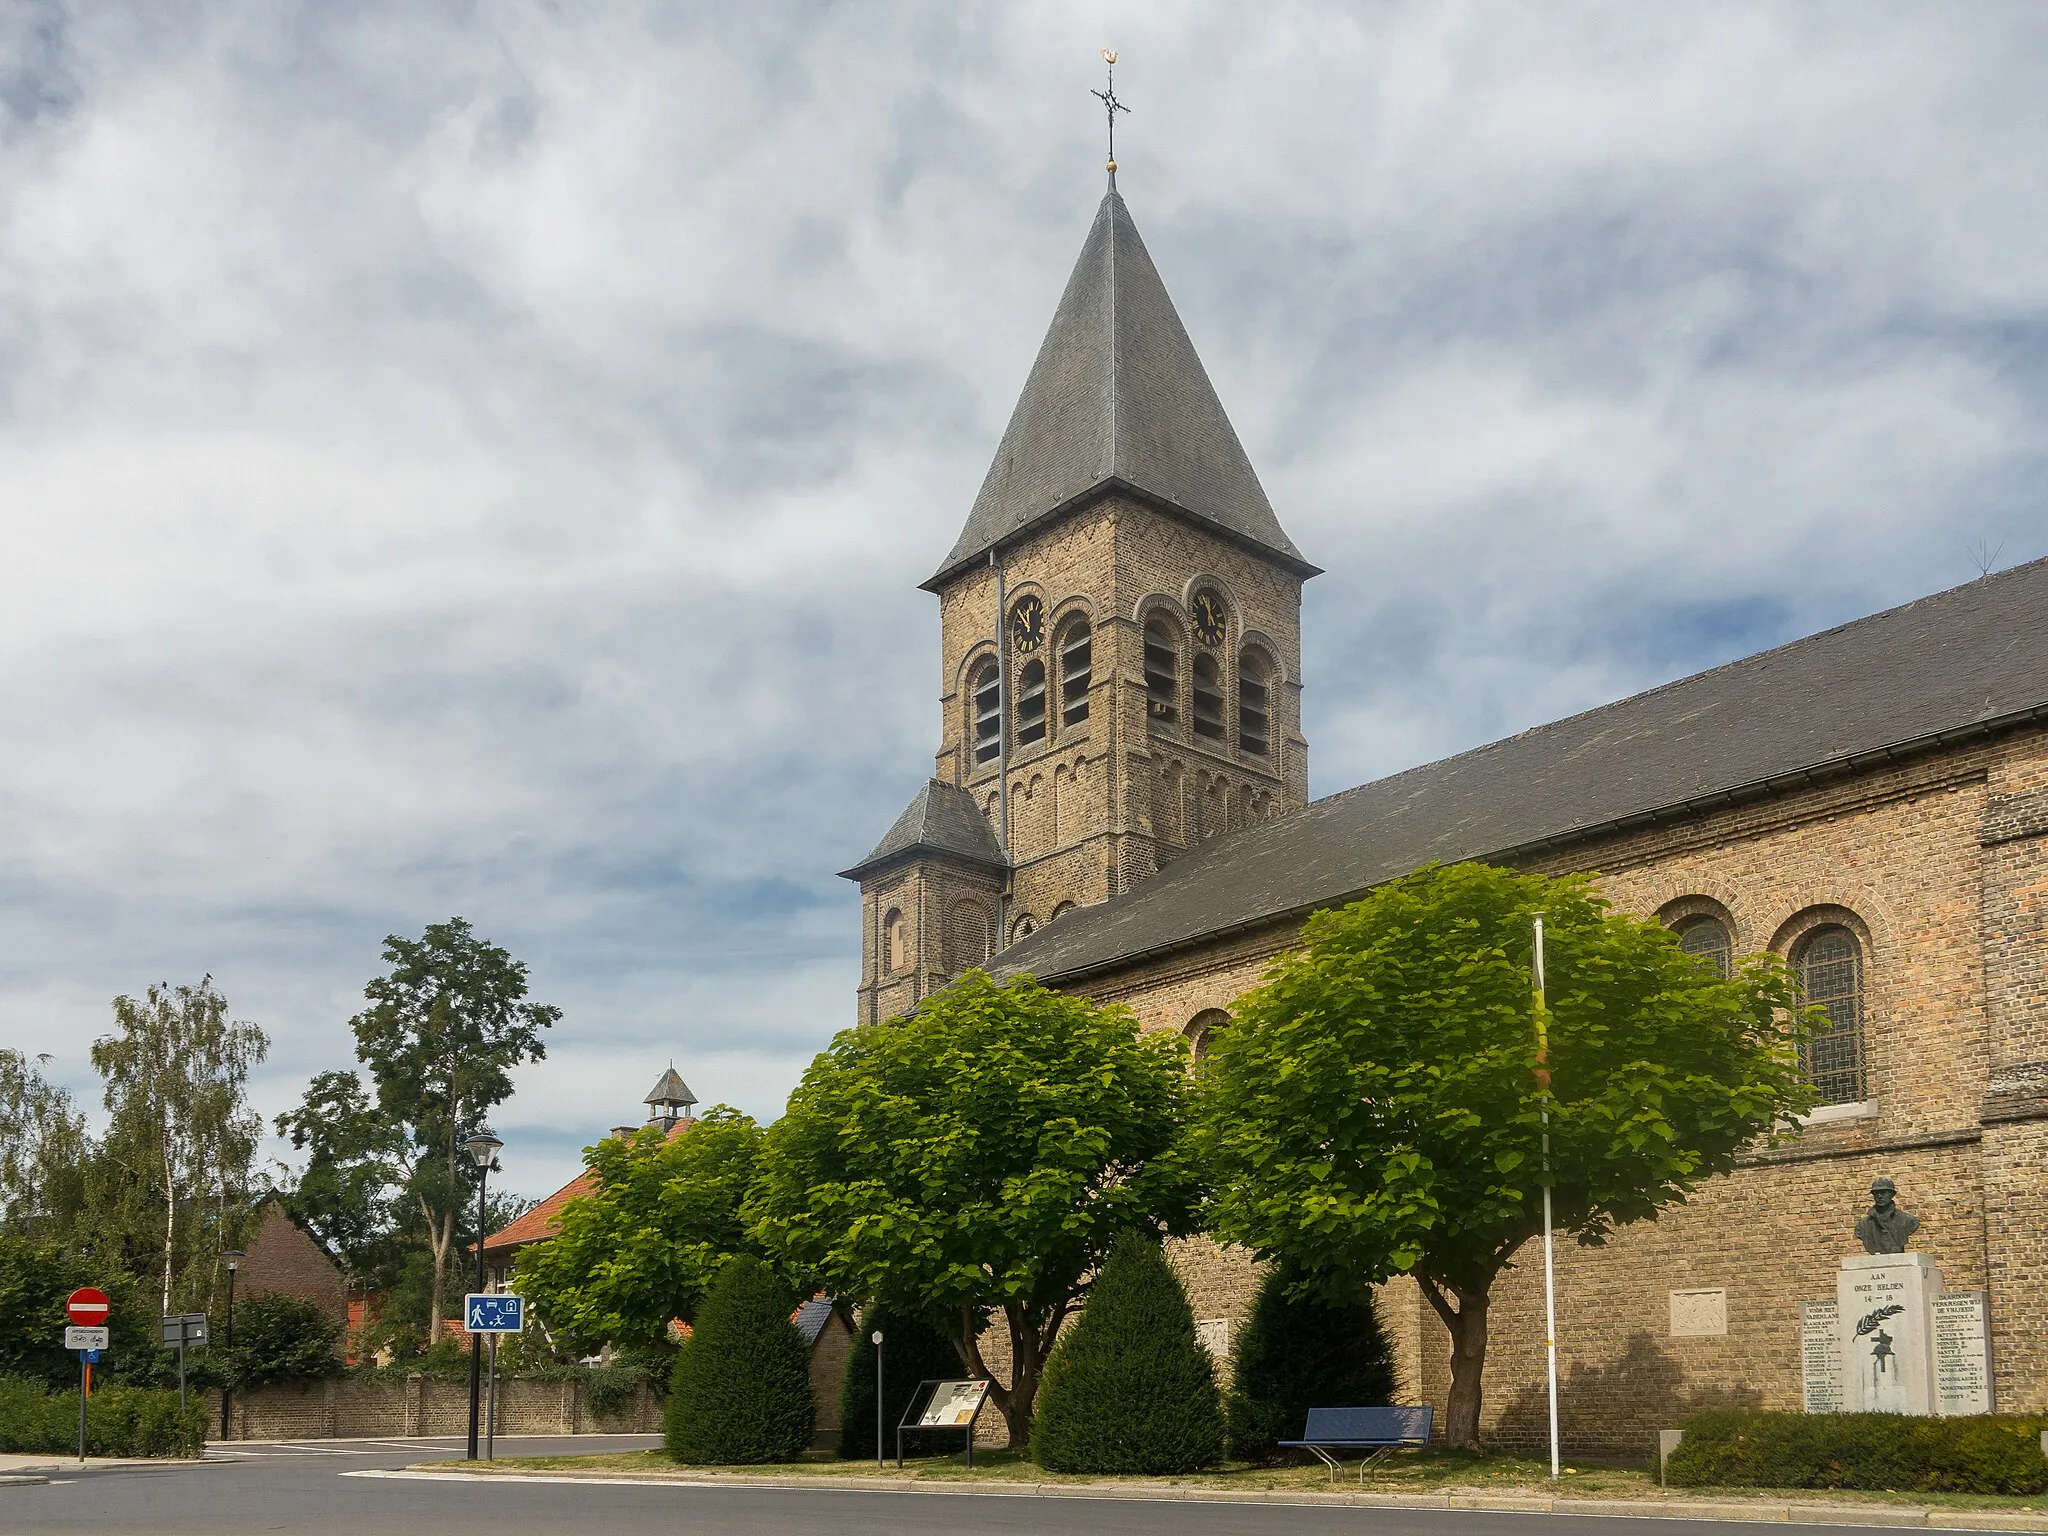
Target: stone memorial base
<point>1886,1317</point>
<point>1893,1341</point>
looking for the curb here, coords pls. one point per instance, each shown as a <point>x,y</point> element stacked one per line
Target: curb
<point>21,1479</point>
<point>1771,1512</point>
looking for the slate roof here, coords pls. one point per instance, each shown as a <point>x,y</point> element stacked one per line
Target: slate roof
<point>670,1090</point>
<point>810,1318</point>
<point>941,818</point>
<point>1950,667</point>
<point>1118,399</point>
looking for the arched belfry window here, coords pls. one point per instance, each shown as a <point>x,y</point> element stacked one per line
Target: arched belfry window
<point>1162,671</point>
<point>1708,938</point>
<point>1077,645</point>
<point>985,695</point>
<point>1830,965</point>
<point>1208,698</point>
<point>1031,703</point>
<point>895,944</point>
<point>1201,1032</point>
<point>1254,705</point>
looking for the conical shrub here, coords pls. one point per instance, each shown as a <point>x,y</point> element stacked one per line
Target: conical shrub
<point>741,1388</point>
<point>1129,1389</point>
<point>1297,1351</point>
<point>913,1351</point>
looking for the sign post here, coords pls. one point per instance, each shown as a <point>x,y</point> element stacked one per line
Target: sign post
<point>492,1313</point>
<point>87,1307</point>
<point>176,1331</point>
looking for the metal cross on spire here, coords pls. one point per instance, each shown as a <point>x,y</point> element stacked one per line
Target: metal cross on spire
<point>1110,105</point>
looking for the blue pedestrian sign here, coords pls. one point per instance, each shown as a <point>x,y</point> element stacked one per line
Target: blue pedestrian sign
<point>92,1357</point>
<point>502,1313</point>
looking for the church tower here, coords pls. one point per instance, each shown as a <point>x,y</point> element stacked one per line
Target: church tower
<point>1120,639</point>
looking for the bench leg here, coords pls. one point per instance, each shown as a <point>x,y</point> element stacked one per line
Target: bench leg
<point>1373,1458</point>
<point>1327,1459</point>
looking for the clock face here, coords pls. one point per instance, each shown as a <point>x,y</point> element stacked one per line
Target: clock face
<point>1208,614</point>
<point>1027,623</point>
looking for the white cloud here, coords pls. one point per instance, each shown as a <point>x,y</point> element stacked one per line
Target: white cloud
<point>479,459</point>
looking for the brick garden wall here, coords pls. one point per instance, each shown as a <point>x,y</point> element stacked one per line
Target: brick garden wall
<point>349,1408</point>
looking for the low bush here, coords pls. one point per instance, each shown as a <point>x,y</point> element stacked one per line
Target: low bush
<point>608,1389</point>
<point>741,1389</point>
<point>1130,1389</point>
<point>1299,1350</point>
<point>119,1421</point>
<point>1883,1451</point>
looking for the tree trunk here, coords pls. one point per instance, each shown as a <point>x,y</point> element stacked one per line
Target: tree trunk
<point>1029,1345</point>
<point>1467,1325</point>
<point>170,1221</point>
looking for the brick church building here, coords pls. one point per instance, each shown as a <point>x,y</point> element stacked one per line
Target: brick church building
<point>1120,807</point>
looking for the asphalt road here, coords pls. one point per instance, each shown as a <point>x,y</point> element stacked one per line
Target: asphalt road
<point>317,1487</point>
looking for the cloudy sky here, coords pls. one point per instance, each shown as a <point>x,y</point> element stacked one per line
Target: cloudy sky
<point>478,458</point>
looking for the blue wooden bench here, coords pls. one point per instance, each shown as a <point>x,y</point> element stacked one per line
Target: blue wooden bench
<point>1377,1431</point>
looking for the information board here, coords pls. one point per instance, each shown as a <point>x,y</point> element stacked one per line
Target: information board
<point>954,1405</point>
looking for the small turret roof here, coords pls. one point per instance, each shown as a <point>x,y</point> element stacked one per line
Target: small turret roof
<point>941,819</point>
<point>670,1090</point>
<point>1118,399</point>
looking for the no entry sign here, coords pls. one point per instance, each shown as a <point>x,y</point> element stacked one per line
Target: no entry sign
<point>87,1307</point>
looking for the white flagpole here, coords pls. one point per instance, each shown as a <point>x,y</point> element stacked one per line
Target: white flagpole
<point>1549,1267</point>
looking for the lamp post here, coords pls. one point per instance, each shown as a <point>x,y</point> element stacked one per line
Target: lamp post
<point>482,1147</point>
<point>234,1257</point>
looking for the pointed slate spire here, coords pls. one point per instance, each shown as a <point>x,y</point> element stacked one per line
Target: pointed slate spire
<point>1118,398</point>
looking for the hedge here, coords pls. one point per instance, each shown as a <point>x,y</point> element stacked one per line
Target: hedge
<point>119,1421</point>
<point>1129,1389</point>
<point>741,1389</point>
<point>1883,1451</point>
<point>1299,1350</point>
<point>913,1351</point>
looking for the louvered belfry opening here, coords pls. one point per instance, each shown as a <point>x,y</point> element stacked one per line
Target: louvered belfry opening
<point>1254,706</point>
<point>987,692</point>
<point>1031,703</point>
<point>1208,699</point>
<point>1077,647</point>
<point>1162,673</point>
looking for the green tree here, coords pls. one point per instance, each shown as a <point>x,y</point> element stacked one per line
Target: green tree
<point>349,1190</point>
<point>35,1277</point>
<point>914,1350</point>
<point>444,1030</point>
<point>643,1246</point>
<point>1130,1389</point>
<point>281,1338</point>
<point>43,1148</point>
<point>979,1157</point>
<point>1300,1349</point>
<point>180,1127</point>
<point>741,1389</point>
<point>1376,1107</point>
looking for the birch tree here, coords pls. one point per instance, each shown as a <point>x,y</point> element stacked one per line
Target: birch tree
<point>43,1147</point>
<point>177,1072</point>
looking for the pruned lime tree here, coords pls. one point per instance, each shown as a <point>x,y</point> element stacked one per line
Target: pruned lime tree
<point>644,1244</point>
<point>1375,1109</point>
<point>976,1160</point>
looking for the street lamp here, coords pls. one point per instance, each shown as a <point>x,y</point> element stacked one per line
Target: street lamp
<point>482,1147</point>
<point>879,1415</point>
<point>234,1256</point>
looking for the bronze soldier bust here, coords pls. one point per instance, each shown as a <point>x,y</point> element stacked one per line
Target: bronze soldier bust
<point>1884,1227</point>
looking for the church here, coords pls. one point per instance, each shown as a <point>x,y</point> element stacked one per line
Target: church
<point>1119,806</point>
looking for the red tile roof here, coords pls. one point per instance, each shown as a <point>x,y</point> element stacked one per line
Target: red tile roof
<point>545,1219</point>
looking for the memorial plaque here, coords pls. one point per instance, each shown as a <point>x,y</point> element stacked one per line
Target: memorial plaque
<point>1820,1350</point>
<point>1962,1353</point>
<point>1887,1331</point>
<point>1699,1314</point>
<point>1213,1334</point>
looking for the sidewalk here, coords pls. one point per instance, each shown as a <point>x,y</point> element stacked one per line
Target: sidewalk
<point>1800,1509</point>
